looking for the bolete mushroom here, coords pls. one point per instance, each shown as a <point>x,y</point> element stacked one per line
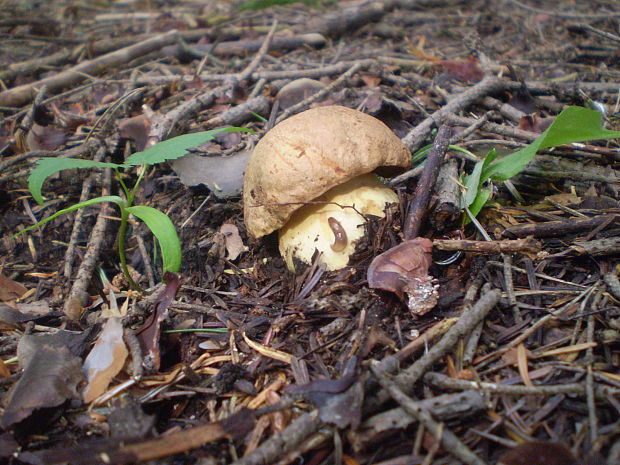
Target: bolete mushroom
<point>310,177</point>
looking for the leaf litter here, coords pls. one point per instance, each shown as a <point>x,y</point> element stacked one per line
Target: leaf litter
<point>242,362</point>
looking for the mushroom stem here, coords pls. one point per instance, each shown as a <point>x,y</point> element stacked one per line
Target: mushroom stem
<point>333,223</point>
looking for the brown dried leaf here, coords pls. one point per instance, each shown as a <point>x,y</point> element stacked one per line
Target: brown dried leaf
<point>148,334</point>
<point>10,290</point>
<point>45,137</point>
<point>105,360</point>
<point>404,270</point>
<point>296,91</point>
<point>50,378</point>
<point>522,364</point>
<point>233,241</point>
<point>464,70</point>
<point>534,123</point>
<point>135,129</point>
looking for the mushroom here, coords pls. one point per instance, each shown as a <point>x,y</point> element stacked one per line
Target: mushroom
<point>310,178</point>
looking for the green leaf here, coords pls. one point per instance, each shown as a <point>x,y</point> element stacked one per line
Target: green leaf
<point>110,198</point>
<point>162,228</point>
<point>480,200</point>
<point>474,182</point>
<point>48,166</point>
<point>176,147</point>
<point>574,124</point>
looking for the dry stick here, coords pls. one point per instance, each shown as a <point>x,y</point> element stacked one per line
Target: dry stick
<point>557,228</point>
<point>418,208</point>
<point>488,85</point>
<point>594,30</point>
<point>442,381</point>
<point>613,284</point>
<point>312,73</point>
<point>79,216</point>
<point>499,129</point>
<point>95,48</point>
<point>346,19</point>
<point>510,288</point>
<point>242,47</point>
<point>78,296</point>
<point>525,245</point>
<point>590,399</point>
<point>23,94</point>
<point>559,14</point>
<point>448,439</point>
<point>146,260</point>
<point>162,127</point>
<point>240,113</point>
<point>474,336</point>
<point>284,441</point>
<point>10,161</point>
<point>469,319</point>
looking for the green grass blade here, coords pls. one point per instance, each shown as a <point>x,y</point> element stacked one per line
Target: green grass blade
<point>48,166</point>
<point>110,198</point>
<point>176,147</point>
<point>162,228</point>
<point>574,124</point>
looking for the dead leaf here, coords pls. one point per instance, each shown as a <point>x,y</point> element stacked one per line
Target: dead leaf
<point>404,270</point>
<point>105,360</point>
<point>10,290</point>
<point>339,400</point>
<point>466,70</point>
<point>51,374</point>
<point>136,129</point>
<point>148,334</point>
<point>296,91</point>
<point>534,123</point>
<point>268,351</point>
<point>4,370</point>
<point>128,419</point>
<point>222,175</point>
<point>35,309</point>
<point>45,137</point>
<point>371,80</point>
<point>233,241</point>
<point>522,364</point>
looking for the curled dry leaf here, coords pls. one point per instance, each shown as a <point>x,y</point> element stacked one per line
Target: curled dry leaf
<point>233,241</point>
<point>136,129</point>
<point>45,137</point>
<point>298,90</point>
<point>467,70</point>
<point>105,360</point>
<point>10,290</point>
<point>403,270</point>
<point>51,374</point>
<point>222,175</point>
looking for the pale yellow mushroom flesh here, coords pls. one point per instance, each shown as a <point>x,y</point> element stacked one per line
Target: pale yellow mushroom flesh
<point>333,223</point>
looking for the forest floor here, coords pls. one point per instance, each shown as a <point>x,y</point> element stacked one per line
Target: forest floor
<point>513,357</point>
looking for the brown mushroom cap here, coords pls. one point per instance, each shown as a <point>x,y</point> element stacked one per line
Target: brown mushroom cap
<point>307,154</point>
